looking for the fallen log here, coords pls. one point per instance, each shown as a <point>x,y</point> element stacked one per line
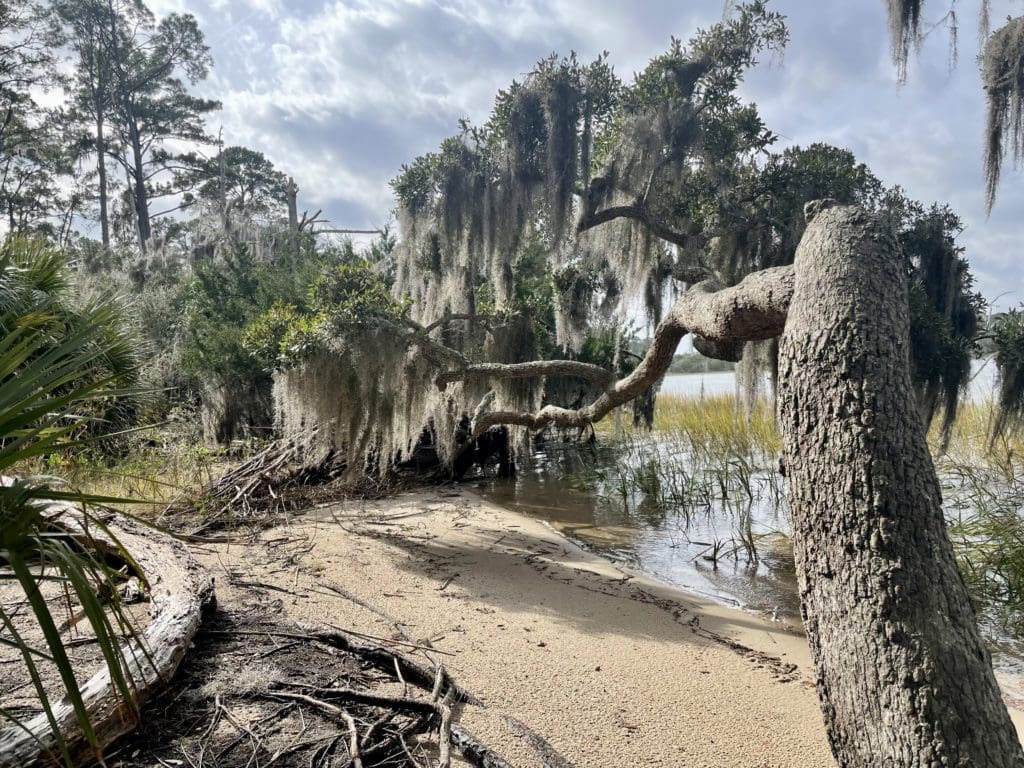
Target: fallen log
<point>179,589</point>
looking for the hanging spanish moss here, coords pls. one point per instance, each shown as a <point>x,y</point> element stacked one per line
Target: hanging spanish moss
<point>944,315</point>
<point>1002,68</point>
<point>1008,340</point>
<point>753,373</point>
<point>365,397</point>
<point>513,241</point>
<point>562,114</point>
<point>904,31</point>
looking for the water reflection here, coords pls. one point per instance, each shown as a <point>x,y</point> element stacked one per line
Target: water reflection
<point>651,506</point>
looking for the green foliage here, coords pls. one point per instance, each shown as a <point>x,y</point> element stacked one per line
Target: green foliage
<point>354,292</point>
<point>341,296</point>
<point>944,311</point>
<point>224,297</point>
<point>1007,339</point>
<point>56,371</point>
<point>780,189</point>
<point>695,362</point>
<point>35,153</point>
<point>249,184</point>
<point>35,290</point>
<point>130,99</point>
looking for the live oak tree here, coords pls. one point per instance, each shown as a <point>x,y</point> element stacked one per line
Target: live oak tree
<point>634,187</point>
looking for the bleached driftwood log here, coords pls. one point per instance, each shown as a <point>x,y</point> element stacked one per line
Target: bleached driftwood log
<point>179,590</point>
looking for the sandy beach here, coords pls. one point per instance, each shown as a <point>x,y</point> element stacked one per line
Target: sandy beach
<point>569,653</point>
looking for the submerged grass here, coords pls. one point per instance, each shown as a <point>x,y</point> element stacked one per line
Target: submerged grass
<point>704,462</point>
<point>708,456</point>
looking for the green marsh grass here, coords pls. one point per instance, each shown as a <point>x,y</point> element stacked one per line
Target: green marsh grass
<point>707,456</point>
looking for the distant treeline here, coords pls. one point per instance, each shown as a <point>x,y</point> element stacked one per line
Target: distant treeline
<point>695,362</point>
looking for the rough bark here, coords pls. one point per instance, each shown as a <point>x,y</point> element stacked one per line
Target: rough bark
<point>138,175</point>
<point>903,675</point>
<point>179,588</point>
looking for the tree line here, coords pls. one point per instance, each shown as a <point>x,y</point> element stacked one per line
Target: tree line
<point>100,125</point>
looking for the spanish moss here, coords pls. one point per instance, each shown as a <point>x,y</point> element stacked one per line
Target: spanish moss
<point>904,31</point>
<point>1002,70</point>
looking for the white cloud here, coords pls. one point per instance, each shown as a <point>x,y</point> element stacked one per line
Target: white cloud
<point>340,93</point>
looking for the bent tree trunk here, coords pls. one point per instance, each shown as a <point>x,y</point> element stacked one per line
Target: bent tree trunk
<point>903,675</point>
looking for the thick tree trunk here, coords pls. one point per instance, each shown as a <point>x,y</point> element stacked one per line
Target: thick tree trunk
<point>904,677</point>
<point>101,171</point>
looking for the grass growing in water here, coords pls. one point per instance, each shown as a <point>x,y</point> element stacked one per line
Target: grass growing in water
<point>706,456</point>
<point>983,497</point>
<point>707,467</point>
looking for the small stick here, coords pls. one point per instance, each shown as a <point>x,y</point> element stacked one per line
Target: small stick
<point>358,697</point>
<point>353,742</point>
<point>405,685</point>
<point>445,734</point>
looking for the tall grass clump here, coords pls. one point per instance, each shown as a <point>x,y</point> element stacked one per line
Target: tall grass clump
<point>983,497</point>
<point>707,456</point>
<point>705,460</point>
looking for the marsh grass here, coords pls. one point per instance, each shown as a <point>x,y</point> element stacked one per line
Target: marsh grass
<point>157,466</point>
<point>983,498</point>
<point>704,463</point>
<point>705,456</point>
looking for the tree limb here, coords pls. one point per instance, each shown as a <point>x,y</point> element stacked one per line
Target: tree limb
<point>753,310</point>
<point>641,213</point>
<point>530,370</point>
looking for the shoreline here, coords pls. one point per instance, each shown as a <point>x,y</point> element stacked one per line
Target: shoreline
<point>565,648</point>
<point>1012,686</point>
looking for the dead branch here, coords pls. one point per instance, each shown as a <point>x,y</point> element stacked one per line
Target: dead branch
<point>420,706</point>
<point>475,751</point>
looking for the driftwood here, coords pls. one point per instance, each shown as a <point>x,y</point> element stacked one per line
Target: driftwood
<point>179,590</point>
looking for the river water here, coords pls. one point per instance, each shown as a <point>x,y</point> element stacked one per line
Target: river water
<point>709,384</point>
<point>717,531</point>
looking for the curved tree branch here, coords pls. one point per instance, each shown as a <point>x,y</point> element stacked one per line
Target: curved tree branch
<point>533,369</point>
<point>642,214</point>
<point>753,310</point>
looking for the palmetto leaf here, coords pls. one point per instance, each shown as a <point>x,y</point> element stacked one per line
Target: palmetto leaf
<point>60,370</point>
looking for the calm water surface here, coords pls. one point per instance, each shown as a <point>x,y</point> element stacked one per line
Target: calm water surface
<point>730,545</point>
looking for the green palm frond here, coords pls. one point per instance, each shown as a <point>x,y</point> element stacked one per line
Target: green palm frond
<point>61,371</point>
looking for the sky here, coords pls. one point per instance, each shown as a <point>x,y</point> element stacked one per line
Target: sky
<point>340,93</point>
